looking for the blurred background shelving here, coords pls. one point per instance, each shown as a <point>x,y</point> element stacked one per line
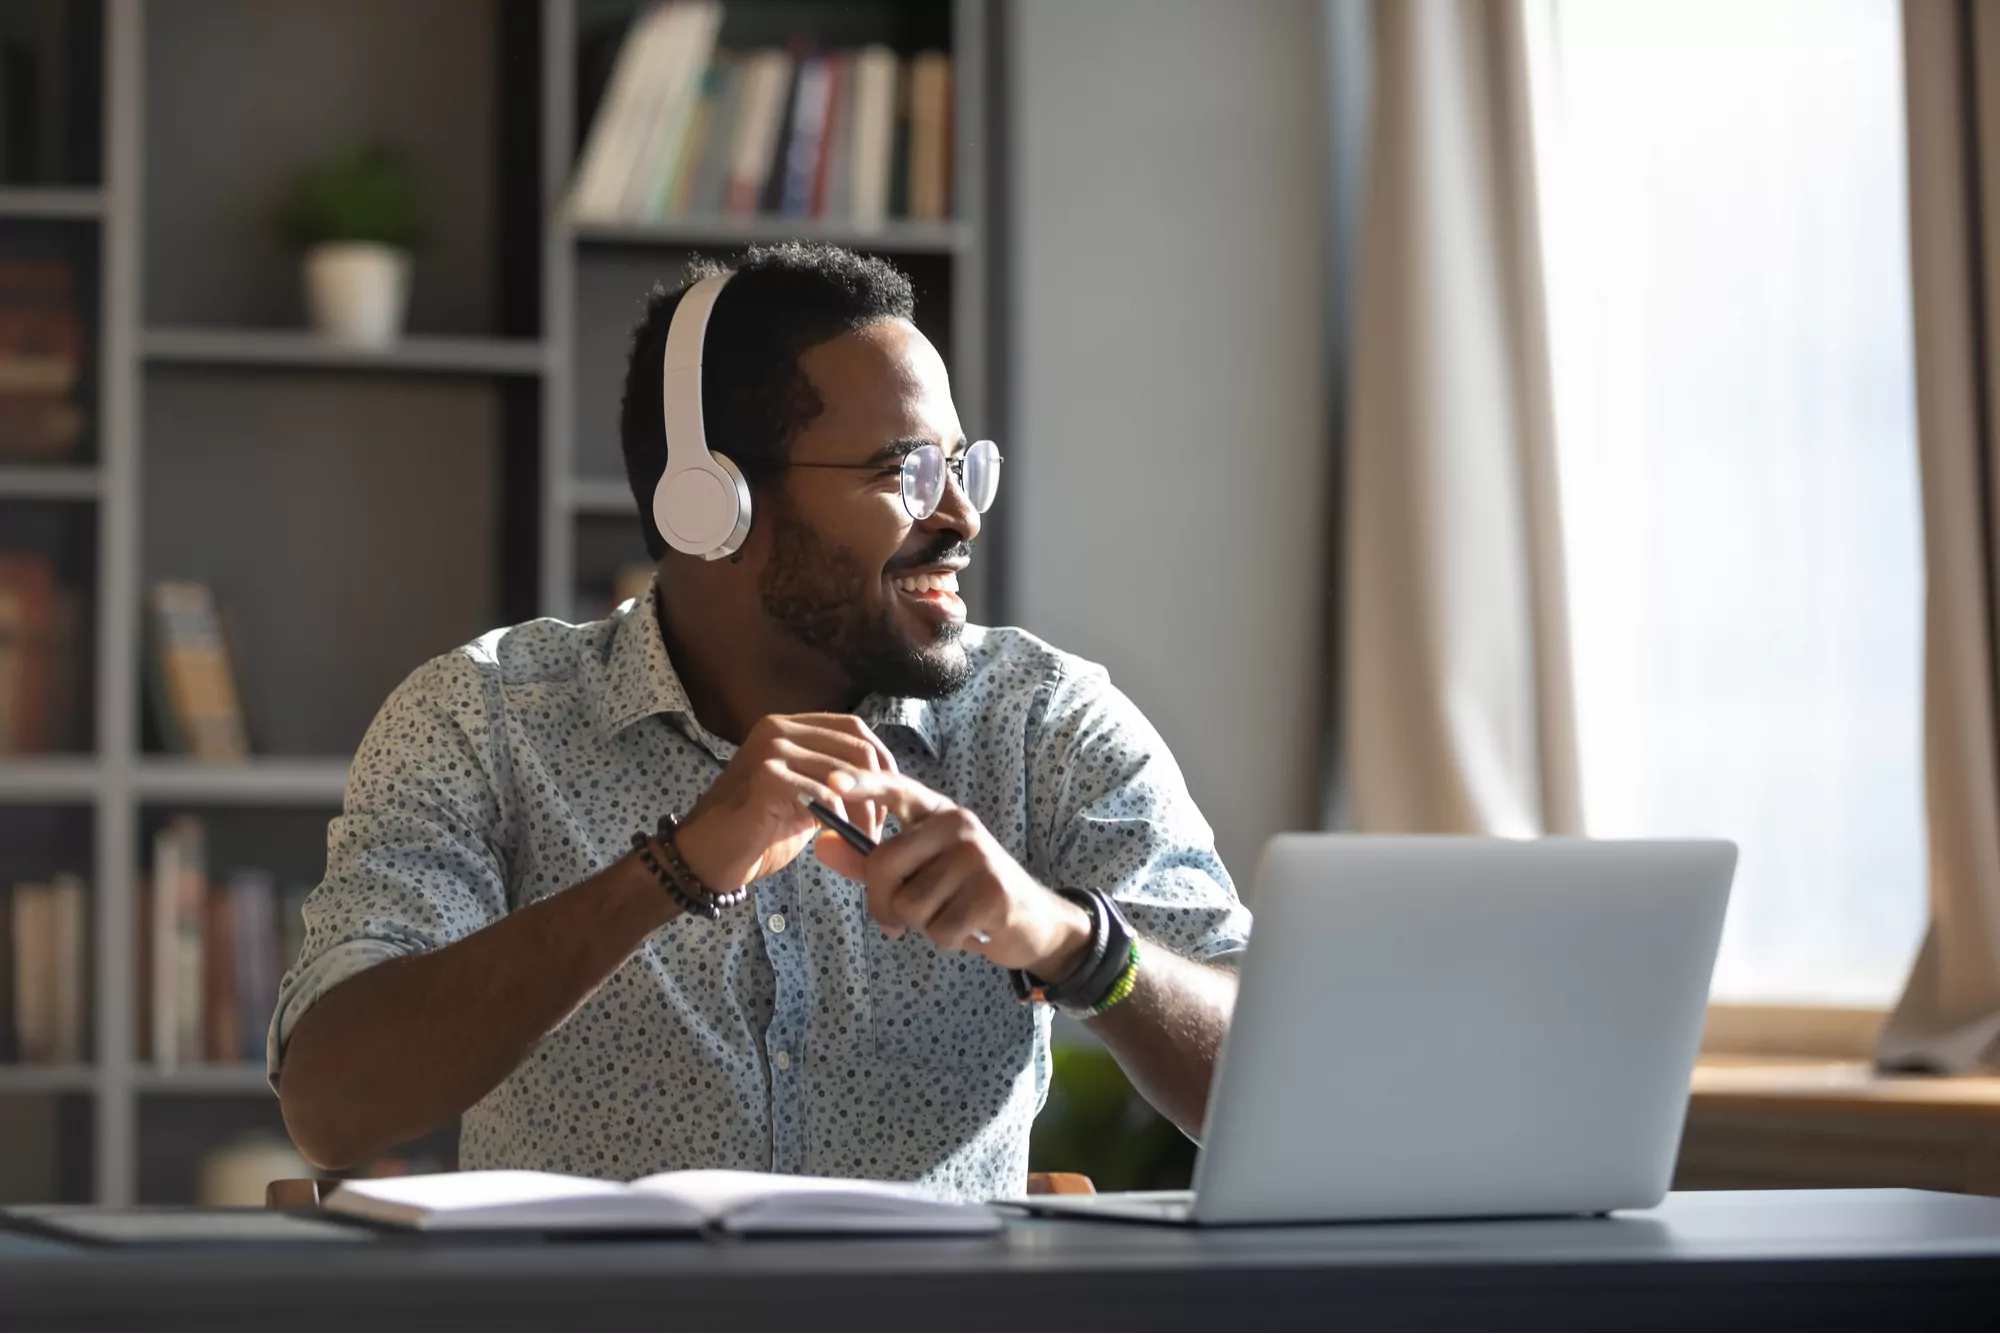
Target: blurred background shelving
<point>355,513</point>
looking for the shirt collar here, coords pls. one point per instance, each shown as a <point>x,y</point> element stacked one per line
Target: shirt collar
<point>639,677</point>
<point>640,681</point>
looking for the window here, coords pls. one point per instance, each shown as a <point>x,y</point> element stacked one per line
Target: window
<point>1724,211</point>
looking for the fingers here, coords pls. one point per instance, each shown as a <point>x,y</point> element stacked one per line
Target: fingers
<point>801,778</point>
<point>843,737</point>
<point>911,903</point>
<point>902,857</point>
<point>837,733</point>
<point>905,798</point>
<point>836,856</point>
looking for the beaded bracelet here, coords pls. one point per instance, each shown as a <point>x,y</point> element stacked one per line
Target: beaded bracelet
<point>1127,980</point>
<point>681,883</point>
<point>692,906</point>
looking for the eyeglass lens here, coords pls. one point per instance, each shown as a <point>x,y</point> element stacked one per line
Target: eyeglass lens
<point>924,470</point>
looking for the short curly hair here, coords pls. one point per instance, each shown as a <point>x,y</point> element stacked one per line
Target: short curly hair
<point>783,300</point>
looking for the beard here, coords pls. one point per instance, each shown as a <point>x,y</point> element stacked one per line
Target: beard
<point>819,594</point>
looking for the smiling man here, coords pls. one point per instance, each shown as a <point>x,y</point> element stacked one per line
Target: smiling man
<point>569,899</point>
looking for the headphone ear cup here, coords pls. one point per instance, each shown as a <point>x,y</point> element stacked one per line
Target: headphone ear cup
<point>703,510</point>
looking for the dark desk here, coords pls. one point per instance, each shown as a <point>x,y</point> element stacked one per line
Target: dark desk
<point>1829,1259</point>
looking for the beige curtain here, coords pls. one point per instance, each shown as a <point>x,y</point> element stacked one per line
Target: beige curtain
<point>1949,1015</point>
<point>1456,714</point>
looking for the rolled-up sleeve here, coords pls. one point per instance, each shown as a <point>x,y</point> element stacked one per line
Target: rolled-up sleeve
<point>416,858</point>
<point>1111,811</point>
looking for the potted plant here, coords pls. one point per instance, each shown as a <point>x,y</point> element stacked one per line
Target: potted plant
<point>355,218</point>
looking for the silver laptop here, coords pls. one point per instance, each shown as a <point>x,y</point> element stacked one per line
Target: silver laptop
<point>1454,1028</point>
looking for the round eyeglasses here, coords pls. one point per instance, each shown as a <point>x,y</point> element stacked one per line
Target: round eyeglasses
<point>923,472</point>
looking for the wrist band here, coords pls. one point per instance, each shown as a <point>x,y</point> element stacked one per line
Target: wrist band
<point>1109,969</point>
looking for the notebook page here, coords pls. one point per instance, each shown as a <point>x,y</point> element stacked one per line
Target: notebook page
<point>450,1201</point>
<point>777,1202</point>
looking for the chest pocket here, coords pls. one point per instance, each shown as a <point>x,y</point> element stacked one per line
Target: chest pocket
<point>944,1008</point>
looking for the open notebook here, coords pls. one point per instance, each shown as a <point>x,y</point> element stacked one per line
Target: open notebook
<point>670,1202</point>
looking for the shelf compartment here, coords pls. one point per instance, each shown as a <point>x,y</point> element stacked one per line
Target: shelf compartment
<point>899,238</point>
<point>269,781</point>
<point>292,349</point>
<point>50,547</point>
<point>46,1130</point>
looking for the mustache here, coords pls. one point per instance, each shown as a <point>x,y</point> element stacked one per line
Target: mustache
<point>948,547</point>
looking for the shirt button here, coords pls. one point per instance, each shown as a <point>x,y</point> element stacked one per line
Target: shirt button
<point>782,1059</point>
<point>777,922</point>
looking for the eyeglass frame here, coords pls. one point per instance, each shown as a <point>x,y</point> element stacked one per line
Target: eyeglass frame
<point>954,470</point>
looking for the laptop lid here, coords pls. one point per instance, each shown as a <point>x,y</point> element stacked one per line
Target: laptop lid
<point>1455,1027</point>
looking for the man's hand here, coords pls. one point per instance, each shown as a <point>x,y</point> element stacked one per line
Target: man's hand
<point>753,821</point>
<point>946,876</point>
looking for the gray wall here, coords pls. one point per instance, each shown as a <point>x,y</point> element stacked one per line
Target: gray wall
<point>1168,354</point>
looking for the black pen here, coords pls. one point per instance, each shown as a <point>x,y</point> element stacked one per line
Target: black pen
<point>849,834</point>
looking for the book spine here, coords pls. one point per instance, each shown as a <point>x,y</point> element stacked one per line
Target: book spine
<point>832,165</point>
<point>13,638</point>
<point>682,119</point>
<point>166,944</point>
<point>222,1027</point>
<point>28,624</point>
<point>253,932</point>
<point>771,198</point>
<point>711,190</point>
<point>762,122</point>
<point>10,966</point>
<point>873,140</point>
<point>808,128</point>
<point>608,148</point>
<point>675,80</point>
<point>899,143</point>
<point>680,187</point>
<point>34,948</point>
<point>189,920</point>
<point>69,968</point>
<point>930,134</point>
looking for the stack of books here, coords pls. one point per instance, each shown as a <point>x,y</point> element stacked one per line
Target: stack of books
<point>685,130</point>
<point>41,360</point>
<point>44,929</point>
<point>43,669</point>
<point>213,952</point>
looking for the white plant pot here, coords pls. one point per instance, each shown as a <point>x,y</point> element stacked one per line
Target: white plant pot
<point>357,292</point>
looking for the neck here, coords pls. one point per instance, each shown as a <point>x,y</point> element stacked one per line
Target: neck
<point>736,664</point>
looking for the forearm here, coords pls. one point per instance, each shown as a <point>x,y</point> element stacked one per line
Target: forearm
<point>1167,1032</point>
<point>406,1046</point>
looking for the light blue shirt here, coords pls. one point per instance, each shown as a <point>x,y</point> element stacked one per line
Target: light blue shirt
<point>791,1035</point>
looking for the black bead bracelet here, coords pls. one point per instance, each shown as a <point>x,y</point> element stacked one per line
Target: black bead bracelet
<point>681,883</point>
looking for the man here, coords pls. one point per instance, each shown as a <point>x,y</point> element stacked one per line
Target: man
<point>491,943</point>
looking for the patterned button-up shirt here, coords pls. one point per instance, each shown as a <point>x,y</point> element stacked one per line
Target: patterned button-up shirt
<point>791,1035</point>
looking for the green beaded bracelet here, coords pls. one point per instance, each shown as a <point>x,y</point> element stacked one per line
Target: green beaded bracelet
<point>1126,981</point>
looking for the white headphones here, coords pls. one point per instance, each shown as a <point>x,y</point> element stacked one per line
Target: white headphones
<point>702,504</point>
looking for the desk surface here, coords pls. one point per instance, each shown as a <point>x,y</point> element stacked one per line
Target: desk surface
<point>1744,1259</point>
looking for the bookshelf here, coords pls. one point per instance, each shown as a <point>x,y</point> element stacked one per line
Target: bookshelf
<point>356,512</point>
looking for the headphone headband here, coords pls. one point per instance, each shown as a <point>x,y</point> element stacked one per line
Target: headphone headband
<point>702,504</point>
